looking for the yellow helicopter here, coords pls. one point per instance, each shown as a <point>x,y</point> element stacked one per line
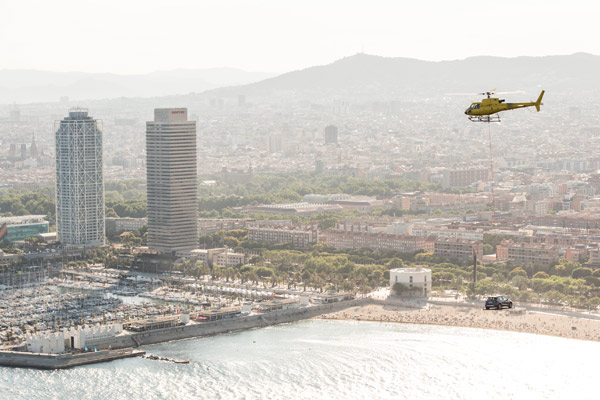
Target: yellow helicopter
<point>486,110</point>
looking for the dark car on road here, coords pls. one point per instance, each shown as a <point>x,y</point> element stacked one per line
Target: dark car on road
<point>498,302</point>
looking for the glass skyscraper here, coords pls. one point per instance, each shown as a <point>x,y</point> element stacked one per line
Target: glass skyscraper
<point>79,180</point>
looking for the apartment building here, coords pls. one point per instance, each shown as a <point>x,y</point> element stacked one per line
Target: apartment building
<point>340,239</point>
<point>299,236</point>
<point>464,177</point>
<point>527,253</point>
<point>460,249</point>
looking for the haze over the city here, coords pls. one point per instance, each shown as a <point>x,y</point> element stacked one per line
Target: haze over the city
<point>138,36</point>
<point>327,199</point>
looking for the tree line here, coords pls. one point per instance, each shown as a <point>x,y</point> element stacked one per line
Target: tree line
<point>128,199</point>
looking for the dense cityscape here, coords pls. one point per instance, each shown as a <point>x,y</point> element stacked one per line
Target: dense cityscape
<point>208,204</point>
<point>373,184</point>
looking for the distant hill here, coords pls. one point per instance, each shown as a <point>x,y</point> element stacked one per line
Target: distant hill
<point>361,76</point>
<point>25,86</point>
<point>367,75</point>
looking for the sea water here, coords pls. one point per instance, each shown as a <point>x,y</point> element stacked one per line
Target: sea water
<point>321,359</point>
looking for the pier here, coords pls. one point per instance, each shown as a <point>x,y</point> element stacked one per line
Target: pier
<point>122,345</point>
<point>21,359</point>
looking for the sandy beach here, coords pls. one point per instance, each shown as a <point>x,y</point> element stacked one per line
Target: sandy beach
<point>508,320</point>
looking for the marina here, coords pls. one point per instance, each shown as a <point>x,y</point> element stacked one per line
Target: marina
<point>74,315</point>
<point>70,297</point>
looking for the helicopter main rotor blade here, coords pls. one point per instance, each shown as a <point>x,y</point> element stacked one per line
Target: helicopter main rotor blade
<point>517,91</point>
<point>493,91</point>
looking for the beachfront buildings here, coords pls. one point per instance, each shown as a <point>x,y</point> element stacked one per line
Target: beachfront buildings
<point>414,281</point>
<point>527,253</point>
<point>172,188</point>
<point>300,236</point>
<point>79,180</point>
<point>460,249</point>
<point>340,239</point>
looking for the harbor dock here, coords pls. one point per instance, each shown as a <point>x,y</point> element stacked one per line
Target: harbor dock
<point>21,359</point>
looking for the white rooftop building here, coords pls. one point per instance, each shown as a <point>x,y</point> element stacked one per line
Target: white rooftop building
<point>70,338</point>
<point>417,281</point>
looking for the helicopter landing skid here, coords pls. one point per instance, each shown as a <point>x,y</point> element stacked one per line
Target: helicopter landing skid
<point>485,118</point>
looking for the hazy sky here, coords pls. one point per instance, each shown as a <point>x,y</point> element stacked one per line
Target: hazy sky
<point>133,36</point>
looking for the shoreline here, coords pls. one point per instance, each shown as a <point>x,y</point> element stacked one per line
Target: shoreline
<point>366,309</point>
<point>191,330</point>
<point>532,322</point>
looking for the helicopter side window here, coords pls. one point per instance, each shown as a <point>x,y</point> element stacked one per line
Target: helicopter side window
<point>477,106</point>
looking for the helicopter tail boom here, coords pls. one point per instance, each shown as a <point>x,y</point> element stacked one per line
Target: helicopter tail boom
<point>539,103</point>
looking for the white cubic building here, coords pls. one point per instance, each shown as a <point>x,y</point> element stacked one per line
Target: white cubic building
<point>70,338</point>
<point>417,281</point>
<point>172,187</point>
<point>79,180</point>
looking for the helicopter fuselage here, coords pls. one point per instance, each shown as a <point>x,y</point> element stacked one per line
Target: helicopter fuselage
<point>491,106</point>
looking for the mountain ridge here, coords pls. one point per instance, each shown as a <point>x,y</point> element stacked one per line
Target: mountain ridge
<point>367,74</point>
<point>41,86</point>
<point>359,76</point>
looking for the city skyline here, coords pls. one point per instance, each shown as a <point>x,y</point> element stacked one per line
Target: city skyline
<point>292,186</point>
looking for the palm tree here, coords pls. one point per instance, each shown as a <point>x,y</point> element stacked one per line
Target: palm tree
<point>230,272</point>
<point>306,278</point>
<point>254,277</point>
<point>274,279</point>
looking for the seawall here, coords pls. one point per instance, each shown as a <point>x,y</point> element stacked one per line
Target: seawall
<point>120,346</point>
<point>60,361</point>
<point>223,326</point>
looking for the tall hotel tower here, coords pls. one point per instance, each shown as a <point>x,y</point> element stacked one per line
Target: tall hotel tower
<point>172,186</point>
<point>79,183</point>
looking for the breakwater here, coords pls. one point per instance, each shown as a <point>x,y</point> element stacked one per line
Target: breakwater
<point>61,361</point>
<point>120,346</point>
<point>222,326</point>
